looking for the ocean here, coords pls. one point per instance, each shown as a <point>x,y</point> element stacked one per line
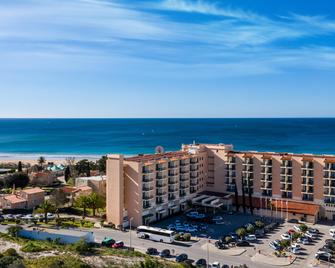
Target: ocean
<point>92,137</point>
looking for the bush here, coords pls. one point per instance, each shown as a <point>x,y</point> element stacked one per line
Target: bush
<point>14,230</point>
<point>11,252</point>
<point>285,243</point>
<point>35,246</point>
<point>303,228</point>
<point>187,237</point>
<point>81,247</point>
<point>66,261</point>
<point>241,232</point>
<point>259,224</point>
<point>251,229</point>
<point>228,239</point>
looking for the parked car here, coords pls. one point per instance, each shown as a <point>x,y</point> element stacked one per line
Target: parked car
<point>313,230</point>
<point>324,257</point>
<point>242,243</point>
<point>165,253</point>
<point>311,235</point>
<point>181,257</point>
<point>332,232</point>
<point>291,231</point>
<point>275,245</point>
<point>118,244</point>
<point>215,264</point>
<point>324,250</point>
<point>285,236</point>
<point>152,251</point>
<point>51,216</point>
<point>8,216</point>
<point>294,250</point>
<point>108,241</point>
<point>330,241</point>
<point>201,263</point>
<point>28,217</point>
<point>304,240</point>
<point>251,237</point>
<point>293,221</point>
<point>220,245</point>
<point>296,245</point>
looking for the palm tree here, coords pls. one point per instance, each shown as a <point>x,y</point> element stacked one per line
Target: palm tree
<point>83,201</point>
<point>41,160</point>
<point>96,202</point>
<point>47,207</point>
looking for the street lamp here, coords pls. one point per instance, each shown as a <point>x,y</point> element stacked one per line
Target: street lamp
<point>209,240</point>
<point>130,219</point>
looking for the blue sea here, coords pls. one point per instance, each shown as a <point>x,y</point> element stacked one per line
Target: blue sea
<point>131,136</point>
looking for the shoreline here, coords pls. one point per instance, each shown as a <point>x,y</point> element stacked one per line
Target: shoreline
<point>33,158</point>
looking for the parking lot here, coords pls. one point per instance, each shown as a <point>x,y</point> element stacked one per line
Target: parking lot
<point>229,224</point>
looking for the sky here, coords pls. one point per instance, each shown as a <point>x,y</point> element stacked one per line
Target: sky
<point>167,58</point>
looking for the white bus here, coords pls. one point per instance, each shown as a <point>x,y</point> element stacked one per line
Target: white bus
<point>155,234</point>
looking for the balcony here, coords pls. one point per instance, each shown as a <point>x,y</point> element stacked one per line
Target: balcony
<point>329,175</point>
<point>160,184</point>
<point>267,163</point>
<point>330,166</point>
<point>266,192</point>
<point>172,197</point>
<point>173,173</point>
<point>307,181</point>
<point>307,165</point>
<point>146,205</point>
<point>194,161</point>
<point>308,190</point>
<point>173,180</point>
<point>194,175</point>
<point>231,188</point>
<point>285,171</point>
<point>160,201</point>
<point>307,173</point>
<point>266,185</point>
<point>147,196</point>
<point>307,197</point>
<point>161,193</point>
<point>248,161</point>
<point>184,163</point>
<point>287,163</point>
<point>194,182</point>
<point>231,174</point>
<point>266,170</point>
<point>286,195</point>
<point>231,160</point>
<point>173,165</point>
<point>147,170</point>
<point>160,177</point>
<point>184,170</point>
<point>247,176</point>
<point>329,192</point>
<point>248,169</point>
<point>184,186</point>
<point>160,167</point>
<point>184,178</point>
<point>266,177</point>
<point>182,193</point>
<point>147,179</point>
<point>286,187</point>
<point>194,168</point>
<point>147,189</point>
<point>173,189</point>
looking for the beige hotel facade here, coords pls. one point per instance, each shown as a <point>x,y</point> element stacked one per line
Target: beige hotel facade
<point>147,188</point>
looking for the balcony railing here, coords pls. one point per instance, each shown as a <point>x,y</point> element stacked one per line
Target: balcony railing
<point>147,179</point>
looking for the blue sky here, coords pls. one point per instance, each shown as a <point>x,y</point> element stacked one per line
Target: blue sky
<point>167,58</point>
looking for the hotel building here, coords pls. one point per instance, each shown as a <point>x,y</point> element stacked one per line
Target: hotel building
<point>147,188</point>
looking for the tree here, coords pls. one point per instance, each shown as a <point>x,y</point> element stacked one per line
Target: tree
<point>67,173</point>
<point>96,201</point>
<point>228,239</point>
<point>19,179</point>
<point>83,168</point>
<point>41,160</point>
<point>251,229</point>
<point>19,167</point>
<point>14,230</point>
<point>46,208</point>
<point>83,201</point>
<point>259,224</point>
<point>241,232</point>
<point>102,164</point>
<point>303,228</point>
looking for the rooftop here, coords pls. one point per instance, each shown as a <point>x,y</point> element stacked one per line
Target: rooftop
<point>93,178</point>
<point>12,198</point>
<point>33,190</point>
<point>156,157</point>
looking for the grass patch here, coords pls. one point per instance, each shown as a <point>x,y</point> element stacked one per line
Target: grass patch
<point>36,246</point>
<point>66,261</point>
<point>119,252</point>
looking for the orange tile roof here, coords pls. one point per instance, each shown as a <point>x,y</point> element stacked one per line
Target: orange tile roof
<point>33,190</point>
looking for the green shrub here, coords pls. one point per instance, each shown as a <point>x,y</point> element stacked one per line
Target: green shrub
<point>251,229</point>
<point>241,232</point>
<point>11,252</point>
<point>65,261</point>
<point>14,230</point>
<point>303,227</point>
<point>81,247</point>
<point>187,237</point>
<point>35,246</point>
<point>259,224</point>
<point>285,243</point>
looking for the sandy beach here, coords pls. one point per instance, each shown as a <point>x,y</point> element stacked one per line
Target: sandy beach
<point>33,159</point>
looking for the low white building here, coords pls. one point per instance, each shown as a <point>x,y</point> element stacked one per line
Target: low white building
<point>65,236</point>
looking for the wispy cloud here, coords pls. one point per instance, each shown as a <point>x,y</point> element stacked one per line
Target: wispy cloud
<point>233,41</point>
